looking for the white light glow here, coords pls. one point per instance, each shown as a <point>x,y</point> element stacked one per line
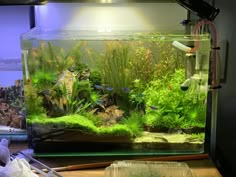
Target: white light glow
<point>106,1</point>
<point>103,29</point>
<point>110,17</point>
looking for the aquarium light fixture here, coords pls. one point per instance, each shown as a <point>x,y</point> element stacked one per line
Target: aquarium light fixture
<point>200,8</point>
<point>114,1</point>
<point>22,2</point>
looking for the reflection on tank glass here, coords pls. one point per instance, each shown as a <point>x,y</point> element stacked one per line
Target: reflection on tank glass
<point>12,107</point>
<point>132,92</point>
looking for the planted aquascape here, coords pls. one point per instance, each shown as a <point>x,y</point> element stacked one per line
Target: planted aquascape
<point>114,91</point>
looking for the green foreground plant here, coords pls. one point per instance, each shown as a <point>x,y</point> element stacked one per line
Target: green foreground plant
<point>176,108</point>
<point>81,123</point>
<point>135,123</point>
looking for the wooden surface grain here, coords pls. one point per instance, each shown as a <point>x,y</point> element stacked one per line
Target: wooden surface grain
<point>201,167</point>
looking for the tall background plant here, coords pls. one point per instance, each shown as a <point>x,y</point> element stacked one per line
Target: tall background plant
<point>114,66</point>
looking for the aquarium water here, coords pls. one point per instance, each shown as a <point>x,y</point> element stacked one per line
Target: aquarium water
<point>115,93</point>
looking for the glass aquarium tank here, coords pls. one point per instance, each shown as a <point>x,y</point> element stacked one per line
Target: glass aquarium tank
<point>12,107</point>
<point>115,93</point>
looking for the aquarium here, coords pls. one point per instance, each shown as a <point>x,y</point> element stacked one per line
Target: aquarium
<point>115,93</point>
<point>12,108</point>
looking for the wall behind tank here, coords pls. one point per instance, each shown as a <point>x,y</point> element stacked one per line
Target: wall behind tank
<point>14,20</point>
<point>132,16</point>
<point>226,129</point>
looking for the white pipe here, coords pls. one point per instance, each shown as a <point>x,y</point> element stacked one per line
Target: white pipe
<point>181,46</point>
<point>25,53</point>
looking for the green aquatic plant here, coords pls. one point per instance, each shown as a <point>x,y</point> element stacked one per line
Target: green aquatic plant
<point>33,101</point>
<point>46,63</point>
<point>155,53</point>
<point>94,96</point>
<point>74,101</point>
<point>95,77</point>
<point>77,121</point>
<point>135,123</point>
<point>73,58</point>
<point>42,58</point>
<point>81,123</point>
<point>156,120</point>
<point>43,79</point>
<point>197,115</point>
<point>142,64</point>
<point>168,59</point>
<point>173,120</point>
<point>50,57</point>
<point>173,105</point>
<point>62,60</point>
<point>97,121</point>
<point>164,121</point>
<point>114,66</point>
<point>136,96</point>
<point>116,130</point>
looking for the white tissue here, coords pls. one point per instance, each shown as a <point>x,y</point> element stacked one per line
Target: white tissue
<point>17,168</point>
<point>4,151</point>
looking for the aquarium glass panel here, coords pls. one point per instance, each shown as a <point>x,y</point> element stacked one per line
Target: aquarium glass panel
<point>115,93</point>
<point>12,108</point>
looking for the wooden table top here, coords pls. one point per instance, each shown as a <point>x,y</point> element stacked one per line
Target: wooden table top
<point>200,165</point>
<point>201,168</point>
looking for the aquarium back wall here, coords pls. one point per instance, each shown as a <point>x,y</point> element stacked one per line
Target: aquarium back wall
<point>129,16</point>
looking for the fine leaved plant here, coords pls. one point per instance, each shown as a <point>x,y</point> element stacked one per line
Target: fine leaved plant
<point>174,106</point>
<point>114,66</point>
